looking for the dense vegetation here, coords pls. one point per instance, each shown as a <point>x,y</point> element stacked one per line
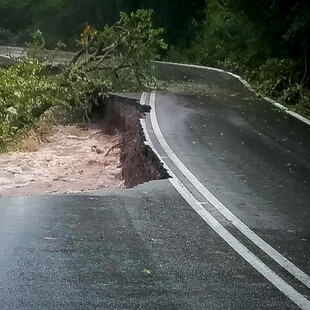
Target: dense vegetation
<point>63,19</point>
<point>116,58</point>
<point>266,41</point>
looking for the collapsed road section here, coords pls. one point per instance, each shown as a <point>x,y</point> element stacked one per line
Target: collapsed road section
<point>108,154</point>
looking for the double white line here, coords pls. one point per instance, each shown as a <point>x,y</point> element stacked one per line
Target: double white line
<point>252,259</point>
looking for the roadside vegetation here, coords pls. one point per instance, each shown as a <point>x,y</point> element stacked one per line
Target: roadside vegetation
<point>266,42</point>
<point>114,59</point>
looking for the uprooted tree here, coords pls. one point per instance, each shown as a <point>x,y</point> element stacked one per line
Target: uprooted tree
<point>117,58</point>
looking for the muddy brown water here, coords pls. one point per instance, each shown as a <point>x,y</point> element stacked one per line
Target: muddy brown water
<point>109,154</point>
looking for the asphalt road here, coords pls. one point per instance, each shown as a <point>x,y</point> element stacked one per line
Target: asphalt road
<point>173,244</point>
<point>12,52</point>
<point>249,154</point>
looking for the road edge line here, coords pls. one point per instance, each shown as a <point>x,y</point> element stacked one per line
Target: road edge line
<point>232,241</point>
<point>220,207</point>
<point>246,84</point>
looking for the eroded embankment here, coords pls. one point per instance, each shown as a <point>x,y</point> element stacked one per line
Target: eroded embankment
<point>139,163</point>
<point>108,154</point>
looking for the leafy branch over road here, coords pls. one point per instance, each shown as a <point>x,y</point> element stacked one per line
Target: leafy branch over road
<point>117,58</point>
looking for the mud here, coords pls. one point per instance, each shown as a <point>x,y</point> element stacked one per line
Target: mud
<point>109,154</point>
<point>139,163</point>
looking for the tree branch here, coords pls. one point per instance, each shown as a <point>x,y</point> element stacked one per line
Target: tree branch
<point>81,52</point>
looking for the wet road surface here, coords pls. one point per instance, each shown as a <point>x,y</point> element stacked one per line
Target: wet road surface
<point>95,251</point>
<point>12,52</point>
<point>249,154</point>
<point>146,248</point>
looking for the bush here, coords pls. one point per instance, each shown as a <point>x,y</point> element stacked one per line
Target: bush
<point>116,58</point>
<point>225,38</point>
<point>176,55</point>
<point>25,93</point>
<point>273,76</point>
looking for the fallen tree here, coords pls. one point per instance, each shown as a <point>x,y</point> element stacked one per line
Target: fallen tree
<point>115,59</point>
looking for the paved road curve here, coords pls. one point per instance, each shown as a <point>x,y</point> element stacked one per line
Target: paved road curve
<point>12,52</point>
<point>148,248</point>
<point>244,156</point>
<point>253,157</point>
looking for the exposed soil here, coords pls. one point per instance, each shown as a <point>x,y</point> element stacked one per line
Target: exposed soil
<point>139,163</point>
<point>109,154</point>
<point>68,163</point>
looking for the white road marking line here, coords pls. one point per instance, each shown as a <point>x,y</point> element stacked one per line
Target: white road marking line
<point>246,84</point>
<point>270,275</point>
<point>143,98</point>
<point>264,270</point>
<point>242,227</point>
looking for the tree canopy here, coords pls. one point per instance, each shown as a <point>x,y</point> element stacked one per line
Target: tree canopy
<point>267,41</point>
<point>63,19</point>
<point>116,58</point>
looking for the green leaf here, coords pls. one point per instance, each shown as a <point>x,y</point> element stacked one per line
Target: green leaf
<point>12,110</point>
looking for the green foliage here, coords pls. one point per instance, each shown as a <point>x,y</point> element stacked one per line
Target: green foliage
<point>114,59</point>
<point>61,45</point>
<point>36,48</point>
<point>266,46</point>
<point>175,54</point>
<point>13,3</point>
<point>38,40</point>
<point>225,38</point>
<point>25,94</point>
<point>59,19</point>
<point>118,57</point>
<point>273,76</point>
